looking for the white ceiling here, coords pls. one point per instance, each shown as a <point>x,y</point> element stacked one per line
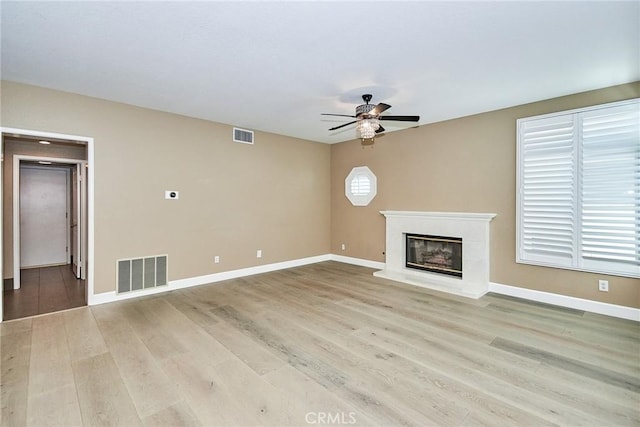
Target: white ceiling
<point>275,66</point>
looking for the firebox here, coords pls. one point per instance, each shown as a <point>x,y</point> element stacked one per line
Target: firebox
<point>436,254</point>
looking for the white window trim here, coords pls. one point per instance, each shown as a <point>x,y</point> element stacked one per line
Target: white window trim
<point>594,266</point>
<point>361,199</point>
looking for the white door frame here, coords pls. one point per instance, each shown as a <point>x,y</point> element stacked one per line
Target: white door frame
<point>16,205</point>
<point>90,200</point>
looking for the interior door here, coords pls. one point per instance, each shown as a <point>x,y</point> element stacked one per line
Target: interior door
<point>84,218</point>
<point>81,220</point>
<point>76,218</point>
<point>44,224</point>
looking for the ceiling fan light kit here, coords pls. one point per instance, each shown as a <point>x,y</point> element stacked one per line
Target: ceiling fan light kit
<point>367,128</point>
<point>367,119</point>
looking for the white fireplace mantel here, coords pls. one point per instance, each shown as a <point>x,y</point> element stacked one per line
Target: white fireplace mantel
<point>473,228</point>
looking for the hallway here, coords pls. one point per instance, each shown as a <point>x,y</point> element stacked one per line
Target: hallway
<point>44,290</point>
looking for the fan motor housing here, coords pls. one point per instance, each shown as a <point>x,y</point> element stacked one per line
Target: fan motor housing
<point>364,109</point>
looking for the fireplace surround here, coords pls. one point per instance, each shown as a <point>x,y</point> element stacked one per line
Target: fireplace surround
<point>471,228</point>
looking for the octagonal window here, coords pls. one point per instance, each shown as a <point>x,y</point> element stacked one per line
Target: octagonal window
<point>360,186</point>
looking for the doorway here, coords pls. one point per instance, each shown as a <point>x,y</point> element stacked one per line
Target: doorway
<point>69,202</point>
<point>47,223</point>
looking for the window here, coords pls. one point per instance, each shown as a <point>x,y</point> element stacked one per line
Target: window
<point>360,186</point>
<point>579,189</point>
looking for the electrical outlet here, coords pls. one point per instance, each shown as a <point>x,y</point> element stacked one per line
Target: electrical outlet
<point>216,259</point>
<point>259,253</point>
<point>603,285</point>
<point>344,246</point>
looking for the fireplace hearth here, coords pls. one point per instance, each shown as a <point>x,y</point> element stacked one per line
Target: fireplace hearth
<point>436,254</point>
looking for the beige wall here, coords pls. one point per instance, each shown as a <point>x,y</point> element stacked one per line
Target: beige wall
<point>234,198</point>
<point>12,148</point>
<point>466,165</point>
<point>286,196</point>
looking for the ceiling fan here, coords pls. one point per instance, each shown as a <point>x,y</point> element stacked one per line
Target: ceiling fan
<point>367,119</point>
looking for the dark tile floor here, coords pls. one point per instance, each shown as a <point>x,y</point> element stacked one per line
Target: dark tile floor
<point>44,290</point>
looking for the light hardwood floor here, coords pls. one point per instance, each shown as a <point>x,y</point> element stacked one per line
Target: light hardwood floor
<point>324,343</point>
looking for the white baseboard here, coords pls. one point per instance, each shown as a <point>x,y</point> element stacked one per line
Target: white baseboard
<point>613,310</point>
<point>105,297</point>
<point>514,291</point>
<point>250,271</point>
<point>358,261</point>
<point>112,296</point>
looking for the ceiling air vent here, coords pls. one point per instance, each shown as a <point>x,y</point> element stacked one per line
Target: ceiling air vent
<point>242,135</point>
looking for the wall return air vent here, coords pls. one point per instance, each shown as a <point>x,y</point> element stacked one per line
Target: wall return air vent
<point>243,136</point>
<point>141,273</point>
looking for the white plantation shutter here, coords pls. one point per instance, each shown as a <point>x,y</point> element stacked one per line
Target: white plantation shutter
<point>548,190</point>
<point>579,189</point>
<point>360,185</point>
<point>610,186</point>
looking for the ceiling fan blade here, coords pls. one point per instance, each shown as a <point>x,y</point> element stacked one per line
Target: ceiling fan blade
<point>339,115</point>
<point>379,109</point>
<point>400,118</point>
<point>341,126</point>
<point>380,129</point>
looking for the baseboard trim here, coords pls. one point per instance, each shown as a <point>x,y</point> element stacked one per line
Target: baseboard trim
<point>613,310</point>
<point>607,309</point>
<point>358,261</point>
<point>112,296</point>
<point>105,297</point>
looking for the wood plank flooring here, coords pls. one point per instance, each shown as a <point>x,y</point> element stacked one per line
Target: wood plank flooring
<point>44,290</point>
<point>324,344</point>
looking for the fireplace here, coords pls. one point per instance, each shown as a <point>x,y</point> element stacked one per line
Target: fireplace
<point>436,254</point>
<point>471,265</point>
